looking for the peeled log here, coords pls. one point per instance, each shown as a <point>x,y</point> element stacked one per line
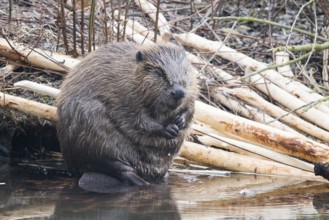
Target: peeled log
<point>273,138</point>
<point>273,110</point>
<point>37,87</point>
<point>150,9</point>
<point>28,106</point>
<point>235,162</point>
<point>292,87</point>
<point>212,138</point>
<point>248,111</point>
<point>36,57</point>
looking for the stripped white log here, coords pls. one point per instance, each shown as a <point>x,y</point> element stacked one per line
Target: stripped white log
<point>37,87</point>
<point>222,173</point>
<point>216,139</point>
<point>210,141</point>
<point>36,57</point>
<point>7,70</point>
<point>135,36</point>
<point>235,162</point>
<point>282,57</point>
<point>253,98</point>
<point>213,142</point>
<point>28,106</point>
<point>293,87</point>
<point>249,112</point>
<point>273,138</point>
<point>136,26</point>
<point>283,97</point>
<point>201,131</point>
<point>150,10</point>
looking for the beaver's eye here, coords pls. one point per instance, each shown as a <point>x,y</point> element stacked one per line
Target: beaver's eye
<point>161,73</point>
<point>158,72</point>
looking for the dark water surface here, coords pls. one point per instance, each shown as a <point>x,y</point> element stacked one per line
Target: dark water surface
<point>183,196</point>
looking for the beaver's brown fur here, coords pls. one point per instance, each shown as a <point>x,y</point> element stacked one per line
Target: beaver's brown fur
<point>125,111</point>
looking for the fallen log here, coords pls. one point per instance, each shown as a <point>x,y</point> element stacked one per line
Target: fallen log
<point>37,87</point>
<point>7,70</point>
<point>294,104</point>
<point>293,88</point>
<point>131,33</point>
<point>150,10</point>
<point>136,26</point>
<point>248,111</point>
<point>38,58</point>
<point>282,57</point>
<point>212,138</point>
<point>292,120</point>
<point>235,162</point>
<point>28,106</point>
<point>270,137</point>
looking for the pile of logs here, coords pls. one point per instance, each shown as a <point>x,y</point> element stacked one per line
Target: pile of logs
<point>283,139</point>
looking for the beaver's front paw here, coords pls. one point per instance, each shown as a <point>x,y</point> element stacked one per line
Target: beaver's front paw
<point>180,121</point>
<point>170,131</point>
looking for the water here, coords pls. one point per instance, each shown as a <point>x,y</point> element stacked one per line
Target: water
<point>183,196</point>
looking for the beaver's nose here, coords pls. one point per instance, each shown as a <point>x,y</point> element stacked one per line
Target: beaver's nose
<point>177,92</point>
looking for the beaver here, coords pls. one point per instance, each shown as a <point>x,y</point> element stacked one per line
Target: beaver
<point>125,110</point>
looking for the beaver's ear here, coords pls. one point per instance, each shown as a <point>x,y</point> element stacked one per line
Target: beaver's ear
<point>139,57</point>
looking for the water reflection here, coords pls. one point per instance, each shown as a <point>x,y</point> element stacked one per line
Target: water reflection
<point>182,196</point>
<point>145,203</point>
<point>25,196</point>
<point>321,202</point>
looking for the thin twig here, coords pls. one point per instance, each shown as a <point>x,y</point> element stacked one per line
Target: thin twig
<point>305,47</point>
<point>91,24</point>
<point>118,26</point>
<point>63,25</point>
<point>276,66</point>
<point>263,21</point>
<point>156,25</point>
<point>82,27</point>
<point>13,48</point>
<point>295,20</point>
<point>105,23</point>
<point>125,19</point>
<point>9,10</point>
<point>75,52</point>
